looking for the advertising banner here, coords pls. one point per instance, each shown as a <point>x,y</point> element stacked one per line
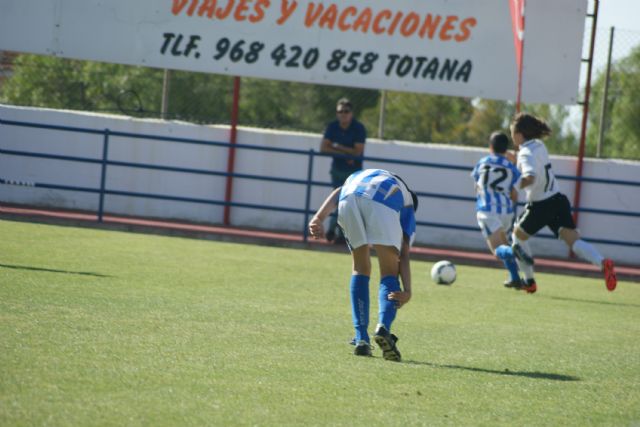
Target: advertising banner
<point>448,47</point>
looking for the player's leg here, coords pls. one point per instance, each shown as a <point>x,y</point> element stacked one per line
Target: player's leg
<point>583,249</point>
<point>535,217</point>
<point>360,301</point>
<point>388,259</point>
<point>385,234</point>
<point>501,249</point>
<point>589,253</point>
<point>350,219</point>
<point>564,227</point>
<point>524,258</point>
<point>521,248</point>
<point>492,227</point>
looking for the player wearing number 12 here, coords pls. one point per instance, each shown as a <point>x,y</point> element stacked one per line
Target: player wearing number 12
<point>546,205</point>
<point>496,197</point>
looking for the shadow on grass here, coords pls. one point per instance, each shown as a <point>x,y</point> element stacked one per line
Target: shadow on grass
<point>50,270</point>
<point>507,372</point>
<point>622,304</point>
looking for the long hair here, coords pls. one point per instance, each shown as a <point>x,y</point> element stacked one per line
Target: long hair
<point>530,126</point>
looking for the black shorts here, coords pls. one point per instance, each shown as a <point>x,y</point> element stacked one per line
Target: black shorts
<point>554,212</point>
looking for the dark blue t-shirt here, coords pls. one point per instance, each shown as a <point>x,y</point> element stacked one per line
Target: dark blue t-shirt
<point>355,133</point>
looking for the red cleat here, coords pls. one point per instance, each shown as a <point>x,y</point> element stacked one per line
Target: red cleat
<point>530,286</point>
<point>609,274</point>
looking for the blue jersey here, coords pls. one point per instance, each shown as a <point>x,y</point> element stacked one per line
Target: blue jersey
<point>495,177</point>
<point>383,187</point>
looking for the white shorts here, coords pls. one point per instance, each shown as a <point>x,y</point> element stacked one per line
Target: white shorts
<point>365,222</point>
<point>490,222</point>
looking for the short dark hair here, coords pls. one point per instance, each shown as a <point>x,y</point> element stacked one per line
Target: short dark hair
<point>344,102</point>
<point>499,142</point>
<point>530,126</point>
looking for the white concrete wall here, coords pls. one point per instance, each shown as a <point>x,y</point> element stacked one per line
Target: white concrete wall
<point>254,162</point>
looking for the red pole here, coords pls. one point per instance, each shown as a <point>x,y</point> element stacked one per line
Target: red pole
<point>231,160</point>
<point>585,114</point>
<point>519,93</point>
<point>517,22</point>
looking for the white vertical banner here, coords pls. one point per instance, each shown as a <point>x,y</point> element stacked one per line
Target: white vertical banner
<point>448,47</point>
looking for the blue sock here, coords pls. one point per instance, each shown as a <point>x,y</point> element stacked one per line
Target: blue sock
<point>505,254</point>
<point>387,308</point>
<point>360,306</point>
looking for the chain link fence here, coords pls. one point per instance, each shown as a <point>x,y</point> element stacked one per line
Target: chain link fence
<point>613,128</point>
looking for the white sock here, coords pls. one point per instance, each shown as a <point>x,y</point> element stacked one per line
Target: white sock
<point>587,252</point>
<point>526,269</point>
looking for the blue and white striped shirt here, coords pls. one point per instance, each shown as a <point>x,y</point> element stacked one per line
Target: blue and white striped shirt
<point>495,177</point>
<point>382,186</point>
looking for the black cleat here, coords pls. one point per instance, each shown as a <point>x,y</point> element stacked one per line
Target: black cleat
<point>387,343</point>
<point>514,284</point>
<point>362,349</point>
<point>521,254</point>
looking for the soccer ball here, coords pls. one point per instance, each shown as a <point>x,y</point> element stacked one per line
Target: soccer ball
<point>443,273</point>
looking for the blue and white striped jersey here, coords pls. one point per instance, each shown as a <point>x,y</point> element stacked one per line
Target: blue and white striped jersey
<point>382,186</point>
<point>495,177</point>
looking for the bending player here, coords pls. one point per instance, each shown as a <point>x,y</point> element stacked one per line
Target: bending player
<point>375,208</point>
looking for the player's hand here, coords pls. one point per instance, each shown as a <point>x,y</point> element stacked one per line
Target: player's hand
<point>316,228</point>
<point>401,298</point>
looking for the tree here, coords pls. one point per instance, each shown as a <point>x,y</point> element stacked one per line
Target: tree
<point>488,116</point>
<point>45,81</point>
<point>423,118</point>
<point>622,127</point>
<point>299,106</point>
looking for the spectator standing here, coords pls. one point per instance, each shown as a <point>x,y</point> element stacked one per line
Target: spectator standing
<point>344,138</point>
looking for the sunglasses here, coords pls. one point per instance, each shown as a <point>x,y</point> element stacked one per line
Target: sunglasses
<point>343,111</point>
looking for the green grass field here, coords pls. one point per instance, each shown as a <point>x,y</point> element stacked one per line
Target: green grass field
<point>121,329</point>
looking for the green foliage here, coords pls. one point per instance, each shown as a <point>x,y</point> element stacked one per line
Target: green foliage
<point>110,328</point>
<point>298,106</point>
<point>488,116</point>
<point>423,118</point>
<point>199,97</point>
<point>621,136</point>
<point>45,81</point>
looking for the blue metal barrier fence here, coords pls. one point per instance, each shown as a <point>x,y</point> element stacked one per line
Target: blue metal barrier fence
<point>306,211</point>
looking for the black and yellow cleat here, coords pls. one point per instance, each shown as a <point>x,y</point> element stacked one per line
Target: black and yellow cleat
<point>387,343</point>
